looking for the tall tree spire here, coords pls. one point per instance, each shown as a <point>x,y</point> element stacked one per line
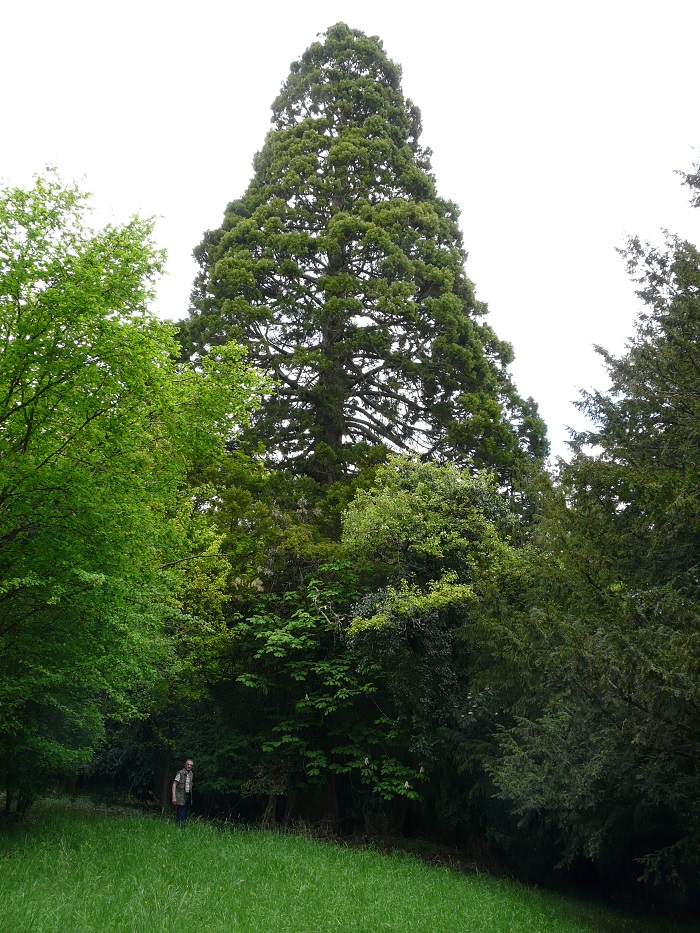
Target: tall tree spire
<point>342,271</point>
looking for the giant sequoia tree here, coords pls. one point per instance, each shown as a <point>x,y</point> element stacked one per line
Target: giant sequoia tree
<point>342,271</point>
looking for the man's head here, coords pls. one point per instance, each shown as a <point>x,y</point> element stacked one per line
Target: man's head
<point>188,765</point>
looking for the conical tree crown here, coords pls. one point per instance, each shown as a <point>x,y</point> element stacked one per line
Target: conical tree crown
<point>343,272</point>
<point>348,80</point>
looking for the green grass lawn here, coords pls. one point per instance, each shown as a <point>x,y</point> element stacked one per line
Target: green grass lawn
<point>75,871</point>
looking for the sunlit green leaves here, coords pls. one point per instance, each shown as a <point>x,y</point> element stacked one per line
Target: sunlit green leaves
<point>100,431</point>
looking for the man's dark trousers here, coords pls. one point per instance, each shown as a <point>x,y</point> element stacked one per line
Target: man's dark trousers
<point>183,810</point>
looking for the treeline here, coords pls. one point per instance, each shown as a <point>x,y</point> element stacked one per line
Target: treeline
<point>309,539</point>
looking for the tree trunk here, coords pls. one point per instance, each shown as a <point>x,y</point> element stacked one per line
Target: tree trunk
<point>162,767</point>
<point>269,820</point>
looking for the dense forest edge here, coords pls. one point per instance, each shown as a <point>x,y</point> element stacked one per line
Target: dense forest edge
<point>310,537</point>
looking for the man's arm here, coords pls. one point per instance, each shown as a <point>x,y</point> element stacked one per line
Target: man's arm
<point>174,800</point>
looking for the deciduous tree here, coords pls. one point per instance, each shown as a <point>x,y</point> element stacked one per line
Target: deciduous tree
<point>100,429</point>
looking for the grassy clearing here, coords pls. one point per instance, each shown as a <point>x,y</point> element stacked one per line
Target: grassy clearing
<point>78,871</point>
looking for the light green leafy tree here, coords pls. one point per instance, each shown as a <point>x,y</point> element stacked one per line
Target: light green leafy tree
<point>100,432</point>
<point>439,539</point>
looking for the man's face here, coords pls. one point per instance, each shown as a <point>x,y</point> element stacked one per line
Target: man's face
<point>188,765</point>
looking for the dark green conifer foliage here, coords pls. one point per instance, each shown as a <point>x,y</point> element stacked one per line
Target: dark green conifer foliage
<point>605,752</point>
<point>342,271</point>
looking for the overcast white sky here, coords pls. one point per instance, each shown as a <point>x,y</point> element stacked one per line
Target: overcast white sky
<point>555,126</point>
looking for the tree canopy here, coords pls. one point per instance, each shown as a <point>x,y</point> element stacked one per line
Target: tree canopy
<point>100,428</point>
<point>607,752</point>
<point>342,272</point>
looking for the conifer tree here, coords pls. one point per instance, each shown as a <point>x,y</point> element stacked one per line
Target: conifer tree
<point>609,642</point>
<point>342,271</point>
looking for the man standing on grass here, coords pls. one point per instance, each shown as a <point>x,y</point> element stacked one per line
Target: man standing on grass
<point>182,791</point>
